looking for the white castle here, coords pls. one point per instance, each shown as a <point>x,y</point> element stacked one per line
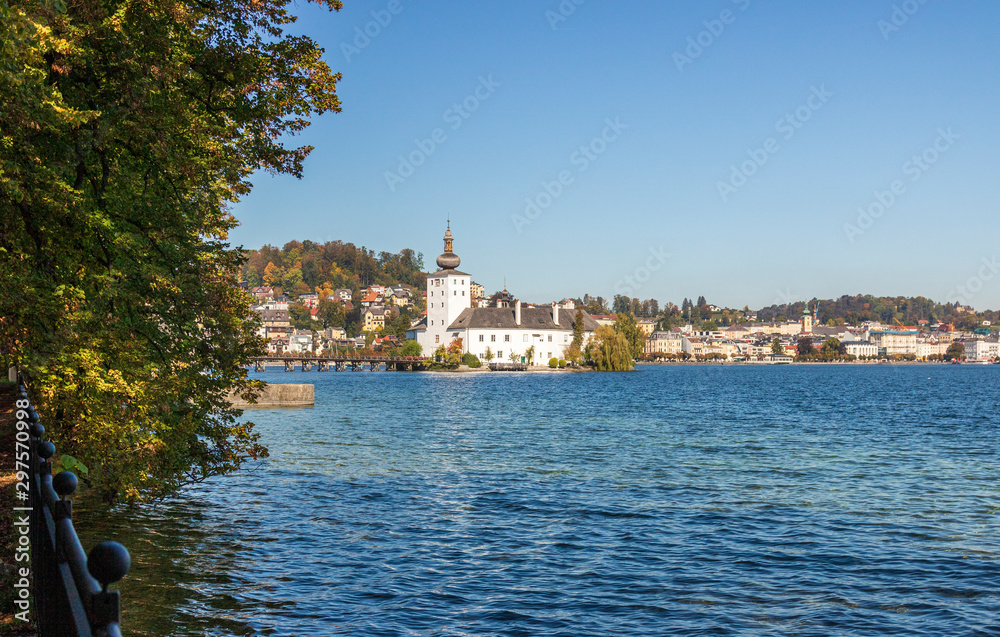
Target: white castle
<point>502,330</point>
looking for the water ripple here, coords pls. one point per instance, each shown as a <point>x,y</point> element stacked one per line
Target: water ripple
<point>677,500</point>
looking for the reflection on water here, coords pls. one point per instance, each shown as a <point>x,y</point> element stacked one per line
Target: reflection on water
<point>676,500</point>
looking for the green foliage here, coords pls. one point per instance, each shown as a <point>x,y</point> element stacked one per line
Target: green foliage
<point>488,355</point>
<point>127,130</point>
<point>325,267</point>
<point>330,314</point>
<point>804,347</point>
<point>955,351</point>
<point>409,348</point>
<point>610,350</point>
<point>300,318</point>
<point>69,463</point>
<point>562,363</point>
<point>832,350</point>
<point>553,362</point>
<point>710,326</point>
<point>626,325</point>
<point>471,360</point>
<point>776,347</point>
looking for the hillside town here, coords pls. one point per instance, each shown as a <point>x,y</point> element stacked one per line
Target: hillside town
<point>452,309</point>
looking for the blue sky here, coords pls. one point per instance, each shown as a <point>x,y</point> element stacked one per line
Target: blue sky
<point>728,146</point>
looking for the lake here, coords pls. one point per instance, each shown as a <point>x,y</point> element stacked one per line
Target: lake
<point>688,500</point>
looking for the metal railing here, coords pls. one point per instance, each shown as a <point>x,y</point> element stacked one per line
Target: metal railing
<point>70,588</point>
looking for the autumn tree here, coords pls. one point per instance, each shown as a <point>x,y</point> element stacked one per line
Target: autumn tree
<point>610,350</point>
<point>127,130</point>
<point>626,325</point>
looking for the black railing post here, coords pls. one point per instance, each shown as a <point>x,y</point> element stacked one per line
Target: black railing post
<point>70,589</point>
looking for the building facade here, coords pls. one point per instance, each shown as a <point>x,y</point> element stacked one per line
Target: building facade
<point>511,332</point>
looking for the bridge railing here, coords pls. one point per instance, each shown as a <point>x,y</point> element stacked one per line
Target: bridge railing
<point>70,588</point>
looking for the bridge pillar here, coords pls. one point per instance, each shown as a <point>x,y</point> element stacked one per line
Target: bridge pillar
<point>306,365</point>
<point>289,366</point>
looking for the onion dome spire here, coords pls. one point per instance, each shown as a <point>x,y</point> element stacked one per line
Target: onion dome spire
<point>448,260</point>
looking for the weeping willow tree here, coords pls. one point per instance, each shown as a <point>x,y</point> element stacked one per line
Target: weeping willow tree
<point>127,129</point>
<point>610,350</point>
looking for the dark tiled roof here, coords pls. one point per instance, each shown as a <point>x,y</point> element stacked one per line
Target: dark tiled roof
<point>448,272</point>
<point>532,318</point>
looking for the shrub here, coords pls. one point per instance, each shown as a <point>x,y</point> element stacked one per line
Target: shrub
<point>471,360</point>
<point>562,364</point>
<point>553,362</point>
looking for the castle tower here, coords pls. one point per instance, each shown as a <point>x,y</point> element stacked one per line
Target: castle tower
<point>448,293</point>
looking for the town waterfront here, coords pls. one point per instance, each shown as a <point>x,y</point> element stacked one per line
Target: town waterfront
<point>730,500</point>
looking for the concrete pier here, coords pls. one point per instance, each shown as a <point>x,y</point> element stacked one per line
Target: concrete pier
<point>280,395</point>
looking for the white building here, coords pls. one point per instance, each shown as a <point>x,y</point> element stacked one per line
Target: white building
<point>860,348</point>
<point>894,342</point>
<point>979,350</point>
<point>529,335</point>
<point>300,341</point>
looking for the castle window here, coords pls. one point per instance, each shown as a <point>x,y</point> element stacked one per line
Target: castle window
<point>499,353</point>
<point>550,339</point>
<point>493,338</point>
<point>481,338</point>
<point>525,338</point>
<point>506,338</point>
<point>437,338</point>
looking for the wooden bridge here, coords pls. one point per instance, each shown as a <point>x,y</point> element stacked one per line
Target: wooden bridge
<point>342,363</point>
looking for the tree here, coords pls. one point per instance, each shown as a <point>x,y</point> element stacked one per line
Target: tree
<point>709,326</point>
<point>273,275</point>
<point>330,313</point>
<point>625,325</point>
<point>804,347</point>
<point>126,132</point>
<point>620,304</point>
<point>300,316</point>
<point>453,355</point>
<point>832,349</point>
<point>529,355</point>
<point>488,355</point>
<point>955,351</point>
<point>409,347</point>
<point>776,347</point>
<point>610,350</point>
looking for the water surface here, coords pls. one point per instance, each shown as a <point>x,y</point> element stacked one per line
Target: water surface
<point>689,500</point>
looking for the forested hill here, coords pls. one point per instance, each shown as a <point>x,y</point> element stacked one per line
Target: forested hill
<point>300,267</point>
<point>887,309</point>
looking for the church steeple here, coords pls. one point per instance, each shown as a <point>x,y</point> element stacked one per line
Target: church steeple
<point>448,260</point>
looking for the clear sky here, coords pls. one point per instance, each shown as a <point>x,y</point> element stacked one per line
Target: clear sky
<point>671,149</point>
